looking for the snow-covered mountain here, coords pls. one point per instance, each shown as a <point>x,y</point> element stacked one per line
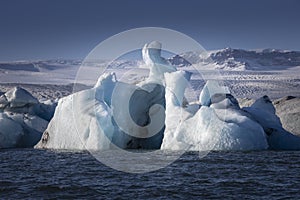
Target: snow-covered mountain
<point>38,66</point>
<point>238,59</point>
<point>223,59</point>
<point>42,71</point>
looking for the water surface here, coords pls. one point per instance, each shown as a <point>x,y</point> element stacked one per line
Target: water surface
<point>32,173</point>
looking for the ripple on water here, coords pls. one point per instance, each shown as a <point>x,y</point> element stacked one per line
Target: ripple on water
<point>31,173</point>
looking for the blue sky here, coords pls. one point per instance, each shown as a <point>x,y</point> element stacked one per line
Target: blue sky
<point>47,29</point>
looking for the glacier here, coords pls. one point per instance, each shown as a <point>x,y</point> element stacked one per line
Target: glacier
<point>154,114</point>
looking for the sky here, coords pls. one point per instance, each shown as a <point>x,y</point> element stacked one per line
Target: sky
<point>70,29</point>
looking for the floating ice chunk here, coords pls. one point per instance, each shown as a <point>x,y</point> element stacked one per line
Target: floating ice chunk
<point>288,110</point>
<point>11,132</point>
<point>206,131</point>
<point>263,111</point>
<point>18,100</point>
<point>222,126</point>
<point>27,114</point>
<point>82,120</point>
<point>32,127</point>
<point>238,132</point>
<point>20,130</point>
<point>266,105</point>
<point>18,97</point>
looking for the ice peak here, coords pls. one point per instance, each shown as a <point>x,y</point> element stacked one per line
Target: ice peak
<point>158,65</point>
<point>152,53</point>
<point>105,79</point>
<point>19,97</point>
<point>154,45</point>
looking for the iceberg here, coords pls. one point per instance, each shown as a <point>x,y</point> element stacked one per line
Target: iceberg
<point>288,110</point>
<point>154,114</point>
<point>80,119</point>
<point>10,132</point>
<point>113,113</point>
<point>23,118</point>
<point>278,138</point>
<point>18,97</point>
<point>218,125</point>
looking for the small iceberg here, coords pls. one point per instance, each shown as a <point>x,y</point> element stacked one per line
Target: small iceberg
<point>278,138</point>
<point>23,119</point>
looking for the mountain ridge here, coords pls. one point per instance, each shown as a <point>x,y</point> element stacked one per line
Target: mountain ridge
<point>221,59</point>
<point>240,59</point>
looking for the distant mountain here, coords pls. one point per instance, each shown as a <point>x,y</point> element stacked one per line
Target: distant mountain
<point>238,59</point>
<point>224,59</point>
<point>49,65</point>
<point>38,66</point>
<point>121,64</point>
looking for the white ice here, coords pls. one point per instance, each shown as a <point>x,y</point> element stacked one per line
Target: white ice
<point>114,113</point>
<point>222,126</point>
<point>23,118</point>
<point>81,118</point>
<point>209,89</point>
<point>158,65</point>
<point>278,138</point>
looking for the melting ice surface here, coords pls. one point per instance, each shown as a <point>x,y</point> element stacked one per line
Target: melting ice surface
<point>153,115</point>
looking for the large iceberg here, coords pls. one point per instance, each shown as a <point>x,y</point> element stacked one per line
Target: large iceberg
<point>154,114</point>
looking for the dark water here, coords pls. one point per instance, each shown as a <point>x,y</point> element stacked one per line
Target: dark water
<point>30,173</point>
